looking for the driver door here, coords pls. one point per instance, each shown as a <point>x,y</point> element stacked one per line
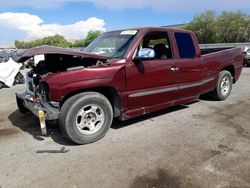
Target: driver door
<point>152,81</point>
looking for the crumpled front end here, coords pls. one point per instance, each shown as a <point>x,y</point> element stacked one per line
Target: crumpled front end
<point>27,102</point>
<point>37,96</point>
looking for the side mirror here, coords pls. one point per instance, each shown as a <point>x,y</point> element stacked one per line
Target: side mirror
<point>145,54</point>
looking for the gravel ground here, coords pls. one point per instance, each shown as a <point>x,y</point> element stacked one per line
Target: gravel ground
<point>204,144</point>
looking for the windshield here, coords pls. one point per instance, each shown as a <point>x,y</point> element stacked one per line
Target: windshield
<point>113,44</point>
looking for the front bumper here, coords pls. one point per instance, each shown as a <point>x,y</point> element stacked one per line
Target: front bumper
<point>34,104</point>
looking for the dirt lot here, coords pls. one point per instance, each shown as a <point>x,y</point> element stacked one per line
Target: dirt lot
<point>204,144</point>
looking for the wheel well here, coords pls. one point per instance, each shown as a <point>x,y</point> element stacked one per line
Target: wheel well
<point>110,93</point>
<point>231,70</point>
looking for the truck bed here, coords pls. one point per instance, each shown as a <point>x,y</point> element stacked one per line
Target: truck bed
<point>217,59</point>
<point>205,51</point>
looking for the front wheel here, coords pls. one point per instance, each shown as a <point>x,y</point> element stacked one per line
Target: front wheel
<point>224,86</point>
<point>86,117</point>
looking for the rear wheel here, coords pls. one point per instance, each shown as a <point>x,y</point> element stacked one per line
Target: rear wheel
<point>224,86</point>
<point>86,117</point>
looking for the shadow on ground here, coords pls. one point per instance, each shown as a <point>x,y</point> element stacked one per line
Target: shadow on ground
<point>207,97</point>
<point>30,124</point>
<point>117,124</point>
<point>161,178</point>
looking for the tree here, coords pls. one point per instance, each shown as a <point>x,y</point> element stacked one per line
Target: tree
<point>19,44</point>
<point>233,27</point>
<point>58,40</point>
<point>92,35</point>
<point>248,29</point>
<point>203,25</point>
<point>227,27</point>
<point>78,43</point>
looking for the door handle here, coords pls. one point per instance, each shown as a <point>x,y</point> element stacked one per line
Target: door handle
<point>174,69</point>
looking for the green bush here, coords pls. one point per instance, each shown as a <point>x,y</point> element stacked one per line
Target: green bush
<point>58,40</point>
<point>224,28</point>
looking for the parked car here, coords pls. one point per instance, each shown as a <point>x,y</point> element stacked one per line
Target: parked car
<point>10,73</point>
<point>246,53</point>
<point>148,70</point>
<point>6,54</point>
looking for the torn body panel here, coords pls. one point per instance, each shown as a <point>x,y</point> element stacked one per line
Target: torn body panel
<point>35,104</point>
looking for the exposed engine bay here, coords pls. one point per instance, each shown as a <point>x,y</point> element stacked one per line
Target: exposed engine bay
<point>55,60</point>
<point>54,63</point>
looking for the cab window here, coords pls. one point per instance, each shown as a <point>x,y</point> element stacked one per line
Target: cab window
<point>159,42</point>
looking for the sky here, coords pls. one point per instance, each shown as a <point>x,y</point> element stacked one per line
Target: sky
<point>32,19</point>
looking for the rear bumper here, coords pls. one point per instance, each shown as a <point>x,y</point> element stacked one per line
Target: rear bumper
<point>34,105</point>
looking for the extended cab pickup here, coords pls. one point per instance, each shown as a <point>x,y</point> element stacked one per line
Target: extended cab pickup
<point>123,74</point>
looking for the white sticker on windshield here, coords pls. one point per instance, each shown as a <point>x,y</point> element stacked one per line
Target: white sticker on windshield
<point>128,32</point>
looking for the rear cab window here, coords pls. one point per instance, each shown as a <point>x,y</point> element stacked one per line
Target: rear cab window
<point>185,45</point>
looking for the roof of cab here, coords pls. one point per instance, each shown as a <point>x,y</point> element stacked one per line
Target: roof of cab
<point>173,29</point>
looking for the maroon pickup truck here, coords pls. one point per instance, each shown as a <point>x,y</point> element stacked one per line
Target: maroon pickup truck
<point>123,74</point>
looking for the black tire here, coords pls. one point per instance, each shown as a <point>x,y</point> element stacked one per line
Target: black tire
<point>69,114</point>
<point>1,85</point>
<point>219,93</point>
<point>244,63</point>
<point>247,63</point>
<point>21,107</point>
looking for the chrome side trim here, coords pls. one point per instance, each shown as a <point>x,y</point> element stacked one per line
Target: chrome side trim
<point>157,91</point>
<point>186,86</point>
<point>208,80</point>
<point>173,88</point>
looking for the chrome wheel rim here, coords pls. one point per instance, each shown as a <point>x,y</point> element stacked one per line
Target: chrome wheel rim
<point>90,119</point>
<point>225,86</point>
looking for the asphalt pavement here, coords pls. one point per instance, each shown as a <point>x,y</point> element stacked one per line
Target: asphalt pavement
<point>203,144</point>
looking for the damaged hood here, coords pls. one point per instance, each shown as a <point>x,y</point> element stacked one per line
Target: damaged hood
<point>26,54</point>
